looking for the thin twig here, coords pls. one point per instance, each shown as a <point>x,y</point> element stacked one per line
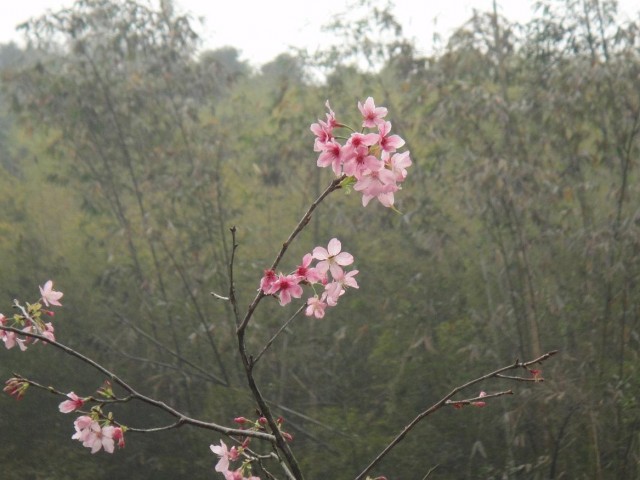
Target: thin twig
<point>162,346</point>
<point>431,470</point>
<point>280,330</point>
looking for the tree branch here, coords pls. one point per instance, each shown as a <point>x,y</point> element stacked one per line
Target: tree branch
<point>443,401</point>
<point>134,394</point>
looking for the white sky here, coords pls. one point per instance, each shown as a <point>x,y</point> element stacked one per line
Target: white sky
<point>261,29</point>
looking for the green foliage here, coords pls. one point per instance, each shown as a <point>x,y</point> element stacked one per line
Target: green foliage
<point>127,157</point>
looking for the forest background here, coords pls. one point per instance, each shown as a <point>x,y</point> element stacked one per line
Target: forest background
<point>126,154</point>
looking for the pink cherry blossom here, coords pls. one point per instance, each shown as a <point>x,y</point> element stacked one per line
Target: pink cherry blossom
<point>332,292</point>
<point>48,332</point>
<point>103,439</point>
<point>378,182</point>
<point>118,434</point>
<point>323,133</point>
<point>388,143</point>
<point>332,156</point>
<point>307,273</point>
<point>331,116</point>
<point>268,280</point>
<point>347,280</point>
<point>361,140</point>
<point>223,452</point>
<point>49,295</point>
<point>331,258</point>
<point>10,340</point>
<point>371,115</point>
<point>92,435</point>
<point>74,403</point>
<point>238,475</point>
<point>315,307</point>
<point>286,286</point>
<point>398,164</point>
<point>357,165</point>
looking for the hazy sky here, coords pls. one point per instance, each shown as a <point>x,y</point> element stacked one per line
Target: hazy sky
<point>262,29</point>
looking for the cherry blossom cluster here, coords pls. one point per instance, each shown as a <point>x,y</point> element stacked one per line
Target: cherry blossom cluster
<point>368,160</point>
<point>96,434</point>
<point>229,455</point>
<point>327,272</point>
<point>30,320</point>
<point>94,430</point>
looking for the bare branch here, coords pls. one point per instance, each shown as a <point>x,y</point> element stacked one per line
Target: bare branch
<point>134,394</point>
<point>443,401</point>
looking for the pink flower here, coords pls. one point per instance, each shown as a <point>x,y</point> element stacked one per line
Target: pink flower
<point>310,275</point>
<point>388,143</point>
<point>315,307</point>
<point>48,332</point>
<point>92,435</point>
<point>324,130</point>
<point>49,295</point>
<point>268,280</point>
<point>332,292</point>
<point>74,403</point>
<point>331,116</point>
<point>356,165</point>
<point>398,164</point>
<point>378,182</point>
<point>323,133</point>
<point>332,155</point>
<point>10,340</point>
<point>223,453</point>
<point>238,475</point>
<point>371,115</point>
<point>347,280</point>
<point>331,258</point>
<point>287,286</point>
<point>360,140</point>
<point>118,434</point>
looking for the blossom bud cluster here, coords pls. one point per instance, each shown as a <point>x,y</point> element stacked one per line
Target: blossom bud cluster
<point>327,272</point>
<point>30,319</point>
<point>369,159</point>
